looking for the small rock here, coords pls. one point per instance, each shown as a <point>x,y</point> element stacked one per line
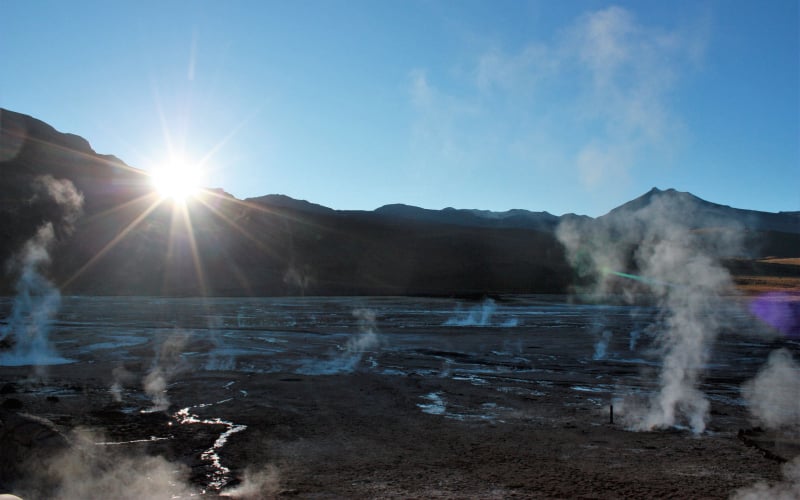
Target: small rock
<point>25,439</point>
<point>8,388</point>
<point>12,404</point>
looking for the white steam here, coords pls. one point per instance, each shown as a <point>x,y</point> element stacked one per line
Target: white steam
<point>35,305</point>
<point>68,200</point>
<point>357,345</point>
<point>87,470</point>
<point>220,362</point>
<point>788,489</point>
<point>167,363</point>
<point>219,359</point>
<point>680,269</point>
<point>257,485</point>
<point>773,396</point>
<point>37,299</point>
<point>633,339</point>
<point>601,346</point>
<point>120,376</point>
<point>298,278</point>
<point>480,315</point>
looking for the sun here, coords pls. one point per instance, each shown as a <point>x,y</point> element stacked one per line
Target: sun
<point>177,180</point>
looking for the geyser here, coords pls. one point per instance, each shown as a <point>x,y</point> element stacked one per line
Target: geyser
<point>680,269</point>
<point>772,396</point>
<point>37,299</point>
<point>358,344</point>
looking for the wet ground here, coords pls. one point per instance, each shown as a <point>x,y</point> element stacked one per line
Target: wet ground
<point>387,397</point>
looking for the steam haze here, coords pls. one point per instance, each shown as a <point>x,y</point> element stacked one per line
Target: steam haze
<point>37,299</point>
<point>772,395</point>
<point>360,249</point>
<point>681,270</point>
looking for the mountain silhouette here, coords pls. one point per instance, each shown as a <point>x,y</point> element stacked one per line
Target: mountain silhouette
<point>127,243</point>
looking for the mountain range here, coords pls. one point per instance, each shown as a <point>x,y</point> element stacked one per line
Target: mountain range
<point>123,242</point>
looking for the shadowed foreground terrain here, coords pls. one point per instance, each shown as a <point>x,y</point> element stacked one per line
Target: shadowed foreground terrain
<point>358,436</point>
<point>371,398</point>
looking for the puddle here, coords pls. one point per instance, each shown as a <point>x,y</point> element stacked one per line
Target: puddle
<point>436,405</point>
<point>152,439</point>
<point>594,390</point>
<point>60,392</point>
<point>472,379</point>
<point>393,372</point>
<point>116,342</point>
<point>7,359</point>
<point>520,391</point>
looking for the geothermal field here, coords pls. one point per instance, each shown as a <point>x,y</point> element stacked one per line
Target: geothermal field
<point>399,250</point>
<point>511,397</point>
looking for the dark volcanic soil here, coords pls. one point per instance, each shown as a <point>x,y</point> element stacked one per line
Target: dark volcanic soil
<point>515,410</point>
<point>363,435</point>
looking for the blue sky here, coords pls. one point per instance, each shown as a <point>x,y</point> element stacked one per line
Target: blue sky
<point>559,106</point>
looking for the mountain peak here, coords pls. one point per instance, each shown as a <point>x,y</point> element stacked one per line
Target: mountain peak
<point>283,201</point>
<point>670,194</point>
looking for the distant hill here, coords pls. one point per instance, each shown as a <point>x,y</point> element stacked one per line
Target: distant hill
<point>125,242</point>
<point>701,213</point>
<point>521,219</point>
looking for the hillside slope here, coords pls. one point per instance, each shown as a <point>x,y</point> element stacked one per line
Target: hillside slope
<point>125,240</point>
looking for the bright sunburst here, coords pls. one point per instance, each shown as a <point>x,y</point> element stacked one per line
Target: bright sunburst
<point>177,180</point>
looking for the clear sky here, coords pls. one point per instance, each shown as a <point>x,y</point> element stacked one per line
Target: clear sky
<point>572,106</point>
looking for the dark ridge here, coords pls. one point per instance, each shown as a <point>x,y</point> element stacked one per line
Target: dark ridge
<point>126,243</point>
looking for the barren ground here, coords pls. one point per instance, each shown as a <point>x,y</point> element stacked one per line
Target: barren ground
<point>408,422</point>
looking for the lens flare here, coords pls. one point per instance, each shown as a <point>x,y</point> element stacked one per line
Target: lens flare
<point>779,310</point>
<point>636,277</point>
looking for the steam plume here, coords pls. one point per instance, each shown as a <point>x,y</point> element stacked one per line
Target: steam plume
<point>601,346</point>
<point>772,396</point>
<point>357,345</point>
<point>85,470</point>
<point>167,363</point>
<point>788,489</point>
<point>218,358</point>
<point>633,339</point>
<point>67,199</point>
<point>679,268</point>
<point>257,485</point>
<point>479,316</point>
<point>300,279</point>
<point>37,299</point>
<point>120,376</point>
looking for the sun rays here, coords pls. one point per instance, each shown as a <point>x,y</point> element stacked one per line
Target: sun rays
<point>168,201</point>
<point>142,212</point>
<point>170,219</point>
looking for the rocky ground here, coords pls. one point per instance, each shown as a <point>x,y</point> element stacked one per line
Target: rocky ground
<point>358,435</point>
